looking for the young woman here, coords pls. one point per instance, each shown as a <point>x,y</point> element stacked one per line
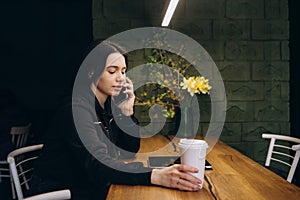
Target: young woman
<point>84,144</point>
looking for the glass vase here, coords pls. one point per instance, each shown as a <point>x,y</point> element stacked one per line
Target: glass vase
<point>187,122</point>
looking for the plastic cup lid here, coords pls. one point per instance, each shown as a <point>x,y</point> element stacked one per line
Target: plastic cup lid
<point>192,143</point>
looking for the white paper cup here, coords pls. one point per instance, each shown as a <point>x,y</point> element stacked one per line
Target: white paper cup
<point>193,153</point>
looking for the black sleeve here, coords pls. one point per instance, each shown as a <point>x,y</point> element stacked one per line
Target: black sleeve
<point>128,137</point>
<point>96,161</point>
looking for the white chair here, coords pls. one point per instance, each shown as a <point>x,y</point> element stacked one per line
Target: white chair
<point>21,167</point>
<point>4,170</point>
<point>19,135</point>
<point>281,152</point>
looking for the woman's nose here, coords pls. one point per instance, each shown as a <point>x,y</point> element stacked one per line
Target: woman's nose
<point>120,77</point>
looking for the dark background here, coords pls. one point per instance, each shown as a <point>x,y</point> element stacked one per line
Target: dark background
<point>42,45</point>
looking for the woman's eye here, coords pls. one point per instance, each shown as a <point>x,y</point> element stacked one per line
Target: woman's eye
<point>111,72</point>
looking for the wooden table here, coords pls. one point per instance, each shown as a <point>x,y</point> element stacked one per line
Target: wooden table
<point>234,176</point>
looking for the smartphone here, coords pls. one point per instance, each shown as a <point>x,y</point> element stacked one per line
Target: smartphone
<point>207,165</point>
<point>162,161</point>
<point>121,97</point>
<point>165,161</point>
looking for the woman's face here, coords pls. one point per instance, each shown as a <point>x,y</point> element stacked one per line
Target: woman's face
<point>111,80</point>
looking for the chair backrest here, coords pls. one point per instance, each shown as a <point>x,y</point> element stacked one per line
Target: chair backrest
<point>21,166</point>
<point>19,135</point>
<point>4,171</point>
<point>288,159</point>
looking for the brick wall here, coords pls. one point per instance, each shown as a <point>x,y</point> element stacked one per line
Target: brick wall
<point>247,39</point>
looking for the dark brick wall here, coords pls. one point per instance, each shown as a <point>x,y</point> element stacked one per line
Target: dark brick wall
<point>249,42</point>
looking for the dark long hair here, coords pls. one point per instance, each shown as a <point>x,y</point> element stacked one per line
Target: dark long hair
<point>94,63</point>
<point>99,54</point>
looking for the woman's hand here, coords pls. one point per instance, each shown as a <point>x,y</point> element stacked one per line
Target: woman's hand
<point>127,105</point>
<point>176,176</point>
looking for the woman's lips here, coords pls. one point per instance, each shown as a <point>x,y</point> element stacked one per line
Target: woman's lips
<point>117,88</point>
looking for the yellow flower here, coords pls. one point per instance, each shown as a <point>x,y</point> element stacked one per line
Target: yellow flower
<point>203,85</point>
<point>196,85</point>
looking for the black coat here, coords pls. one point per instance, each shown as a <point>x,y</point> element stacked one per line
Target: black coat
<point>87,163</point>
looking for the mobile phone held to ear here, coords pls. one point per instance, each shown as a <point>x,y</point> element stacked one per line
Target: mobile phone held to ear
<point>122,96</point>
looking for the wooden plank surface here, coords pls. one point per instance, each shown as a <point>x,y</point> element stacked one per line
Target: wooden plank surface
<point>234,176</point>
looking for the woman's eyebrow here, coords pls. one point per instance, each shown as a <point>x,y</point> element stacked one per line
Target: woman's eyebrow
<point>115,67</point>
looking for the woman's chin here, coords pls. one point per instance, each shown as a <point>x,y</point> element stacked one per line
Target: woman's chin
<point>115,93</point>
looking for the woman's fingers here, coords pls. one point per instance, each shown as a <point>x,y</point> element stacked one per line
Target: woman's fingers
<point>130,93</point>
<point>186,176</point>
<point>128,80</point>
<point>187,181</point>
<point>176,176</point>
<point>186,168</point>
<point>127,105</point>
<point>128,84</point>
<point>129,87</point>
<point>187,185</point>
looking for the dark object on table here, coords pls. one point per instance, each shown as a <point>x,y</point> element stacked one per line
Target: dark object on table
<point>165,161</point>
